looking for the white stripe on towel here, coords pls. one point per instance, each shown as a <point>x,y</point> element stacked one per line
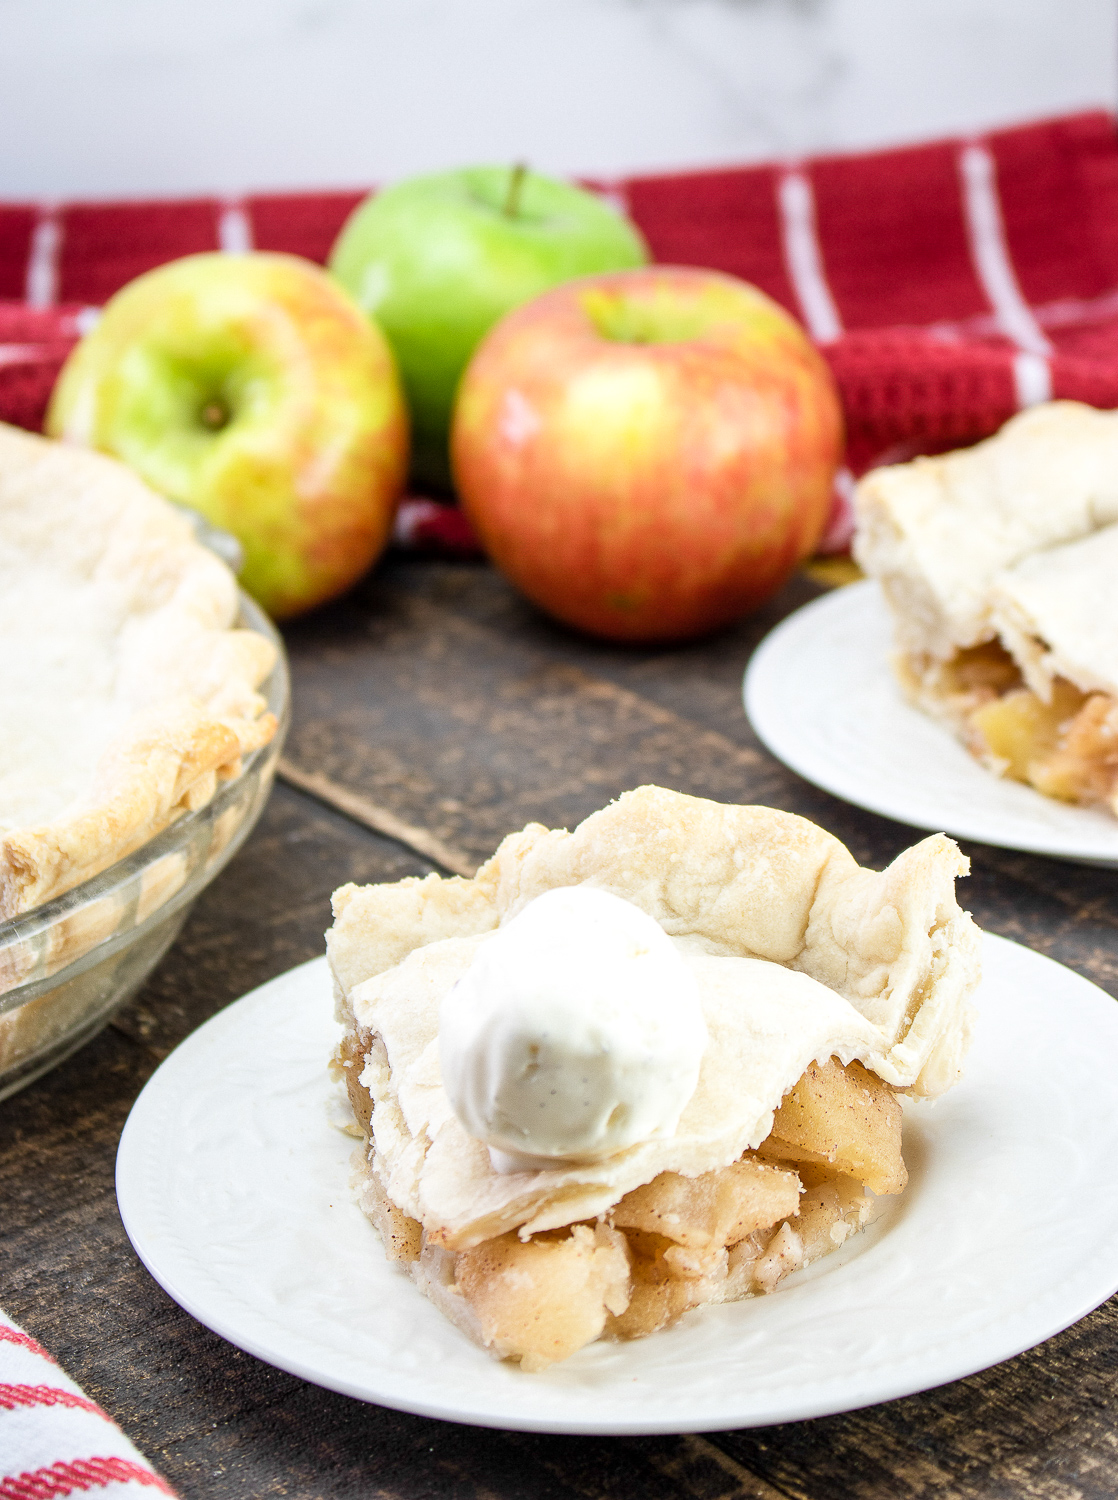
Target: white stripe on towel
<point>804,258</point>
<point>990,253</point>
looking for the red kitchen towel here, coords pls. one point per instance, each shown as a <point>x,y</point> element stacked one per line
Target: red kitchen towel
<point>54,1441</point>
<point>948,285</point>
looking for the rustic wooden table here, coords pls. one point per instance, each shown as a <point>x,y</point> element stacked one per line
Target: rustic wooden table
<point>447,707</point>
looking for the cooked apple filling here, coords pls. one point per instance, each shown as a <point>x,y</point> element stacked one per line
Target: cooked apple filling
<point>1066,747</point>
<point>674,1243</point>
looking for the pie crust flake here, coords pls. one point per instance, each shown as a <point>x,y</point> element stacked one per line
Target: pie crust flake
<point>998,565</point>
<point>827,990</point>
<point>127,691</point>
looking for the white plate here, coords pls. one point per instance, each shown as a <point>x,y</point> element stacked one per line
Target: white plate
<point>820,694</point>
<point>234,1191</point>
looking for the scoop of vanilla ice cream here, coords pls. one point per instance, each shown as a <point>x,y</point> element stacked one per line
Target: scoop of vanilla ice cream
<point>575,1032</point>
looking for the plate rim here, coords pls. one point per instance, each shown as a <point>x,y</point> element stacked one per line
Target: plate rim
<point>867,1388</point>
<point>773,647</point>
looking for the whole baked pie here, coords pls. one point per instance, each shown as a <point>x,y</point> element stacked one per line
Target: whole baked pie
<point>127,691</point>
<point>644,1066</point>
<point>999,564</point>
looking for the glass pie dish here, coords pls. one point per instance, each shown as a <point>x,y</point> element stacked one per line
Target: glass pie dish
<point>68,964</point>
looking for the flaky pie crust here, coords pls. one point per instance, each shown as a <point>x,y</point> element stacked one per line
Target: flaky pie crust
<point>128,692</point>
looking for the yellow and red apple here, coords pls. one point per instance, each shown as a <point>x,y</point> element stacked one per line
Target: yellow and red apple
<point>250,388</point>
<point>647,454</point>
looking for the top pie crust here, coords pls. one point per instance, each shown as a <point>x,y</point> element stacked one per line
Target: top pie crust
<point>1055,612</point>
<point>800,954</point>
<point>1013,537</point>
<point>126,692</point>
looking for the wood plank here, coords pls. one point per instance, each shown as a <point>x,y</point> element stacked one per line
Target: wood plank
<point>468,730</point>
<point>1041,1425</point>
<point>380,819</point>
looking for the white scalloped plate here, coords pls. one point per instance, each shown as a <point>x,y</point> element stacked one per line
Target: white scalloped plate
<point>234,1191</point>
<point>820,695</point>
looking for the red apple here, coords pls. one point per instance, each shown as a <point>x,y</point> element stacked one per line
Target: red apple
<point>647,454</point>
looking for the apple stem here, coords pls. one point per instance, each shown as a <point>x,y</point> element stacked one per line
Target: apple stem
<point>516,181</point>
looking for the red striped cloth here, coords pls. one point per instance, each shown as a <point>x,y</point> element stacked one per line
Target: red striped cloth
<point>55,1441</point>
<point>947,285</point>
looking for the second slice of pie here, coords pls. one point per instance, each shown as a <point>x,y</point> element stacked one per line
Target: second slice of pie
<point>998,564</point>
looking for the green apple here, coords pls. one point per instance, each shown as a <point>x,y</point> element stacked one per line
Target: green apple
<point>438,260</point>
<point>250,388</point>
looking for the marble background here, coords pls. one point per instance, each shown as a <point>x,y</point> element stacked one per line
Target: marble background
<point>120,97</point>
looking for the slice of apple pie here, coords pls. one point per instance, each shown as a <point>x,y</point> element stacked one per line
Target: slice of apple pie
<point>644,1066</point>
<point>998,564</point>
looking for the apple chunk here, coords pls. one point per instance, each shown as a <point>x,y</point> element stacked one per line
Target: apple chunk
<point>540,1301</point>
<point>717,1208</point>
<point>844,1117</point>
